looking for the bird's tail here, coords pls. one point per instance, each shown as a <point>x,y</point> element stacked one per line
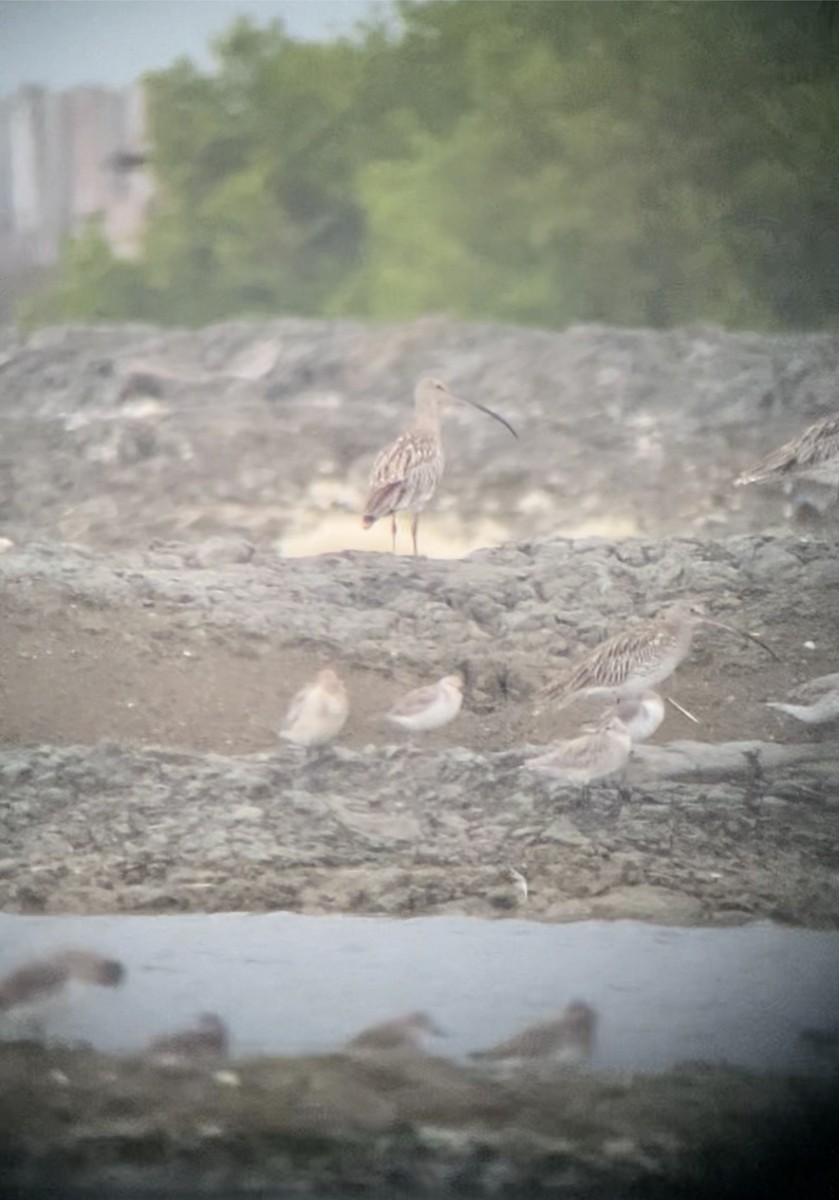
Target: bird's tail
<point>367,521</point>
<point>792,710</point>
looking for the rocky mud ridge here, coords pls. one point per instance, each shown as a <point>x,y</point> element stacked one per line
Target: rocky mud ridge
<point>116,435</point>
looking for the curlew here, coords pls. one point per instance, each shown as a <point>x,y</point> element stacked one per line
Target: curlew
<point>402,1035</point>
<point>640,658</point>
<point>406,474</point>
<point>815,702</point>
<point>30,993</point>
<point>207,1041</point>
<point>567,1037</point>
<point>584,759</point>
<point>318,712</point>
<point>429,708</point>
<point>813,454</point>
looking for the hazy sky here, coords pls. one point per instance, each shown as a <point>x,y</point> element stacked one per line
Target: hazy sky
<point>60,43</point>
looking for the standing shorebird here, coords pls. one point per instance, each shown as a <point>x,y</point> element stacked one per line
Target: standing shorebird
<point>641,714</point>
<point>584,759</point>
<point>318,712</point>
<point>567,1037</point>
<point>815,702</point>
<point>640,658</point>
<point>29,994</point>
<point>206,1042</point>
<point>406,474</point>
<point>813,454</point>
<point>430,707</point>
<point>402,1035</point>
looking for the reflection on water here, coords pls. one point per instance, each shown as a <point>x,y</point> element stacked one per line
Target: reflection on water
<point>290,984</point>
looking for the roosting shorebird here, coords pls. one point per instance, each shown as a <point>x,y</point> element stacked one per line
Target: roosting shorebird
<point>406,474</point>
<point>430,707</point>
<point>815,702</point>
<point>31,992</point>
<point>584,759</point>
<point>640,658</point>
<point>567,1037</point>
<point>814,454</point>
<point>318,712</point>
<point>641,714</point>
<point>402,1035</point>
<point>206,1042</point>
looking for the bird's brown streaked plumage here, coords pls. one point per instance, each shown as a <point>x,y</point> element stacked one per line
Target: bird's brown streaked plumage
<point>406,474</point>
<point>399,1035</point>
<point>640,657</point>
<point>814,453</point>
<point>567,1037</point>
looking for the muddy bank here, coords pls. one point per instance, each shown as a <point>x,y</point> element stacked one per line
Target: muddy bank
<point>392,1127</point>
<point>191,804</point>
<point>114,436</point>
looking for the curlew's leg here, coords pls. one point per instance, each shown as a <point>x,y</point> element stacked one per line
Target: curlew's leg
<point>414,527</point>
<point>393,530</point>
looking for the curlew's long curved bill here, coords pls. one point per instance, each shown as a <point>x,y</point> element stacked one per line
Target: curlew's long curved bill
<point>489,412</point>
<point>743,634</point>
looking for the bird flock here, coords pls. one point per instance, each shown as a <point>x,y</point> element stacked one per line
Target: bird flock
<point>624,670</point>
<point>37,991</point>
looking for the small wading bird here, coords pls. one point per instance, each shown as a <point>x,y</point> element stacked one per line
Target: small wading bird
<point>318,712</point>
<point>402,1035</point>
<point>641,714</point>
<point>29,994</point>
<point>206,1042</point>
<point>568,1037</point>
<point>640,658</point>
<point>814,454</point>
<point>406,474</point>
<point>815,702</point>
<point>430,707</point>
<point>584,759</point>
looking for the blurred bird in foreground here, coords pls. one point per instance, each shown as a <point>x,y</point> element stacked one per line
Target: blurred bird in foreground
<point>206,1042</point>
<point>40,988</point>
<point>430,707</point>
<point>402,1035</point>
<point>815,702</point>
<point>318,712</point>
<point>567,1037</point>
<point>406,474</point>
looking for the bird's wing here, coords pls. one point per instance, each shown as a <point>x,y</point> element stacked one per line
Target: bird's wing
<point>395,467</point>
<point>816,445</point>
<point>415,702</point>
<point>296,707</point>
<point>607,665</point>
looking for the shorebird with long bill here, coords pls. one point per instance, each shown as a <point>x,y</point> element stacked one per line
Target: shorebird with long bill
<point>407,473</point>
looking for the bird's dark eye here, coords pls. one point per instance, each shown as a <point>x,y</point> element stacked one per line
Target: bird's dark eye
<point>439,386</point>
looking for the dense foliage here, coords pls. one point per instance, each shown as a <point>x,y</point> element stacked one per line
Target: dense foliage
<point>636,163</point>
